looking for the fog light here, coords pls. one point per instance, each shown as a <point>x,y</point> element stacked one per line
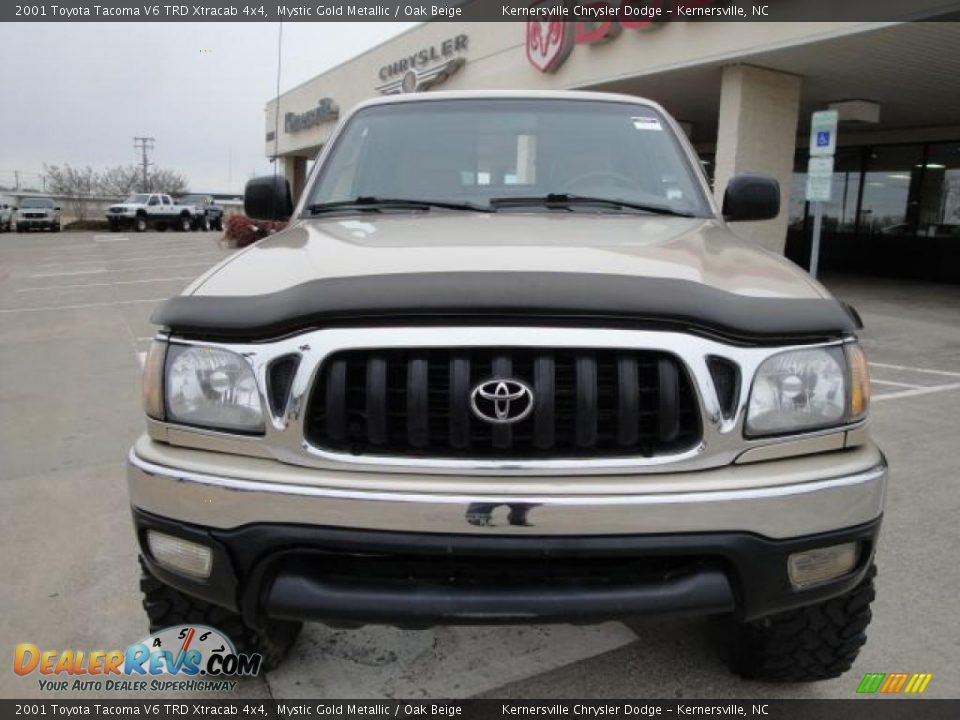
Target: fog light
<point>821,564</point>
<point>180,556</point>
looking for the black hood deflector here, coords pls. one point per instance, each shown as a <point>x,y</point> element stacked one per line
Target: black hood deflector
<point>590,297</point>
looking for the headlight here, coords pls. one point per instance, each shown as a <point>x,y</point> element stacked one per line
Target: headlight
<point>212,387</point>
<point>808,389</point>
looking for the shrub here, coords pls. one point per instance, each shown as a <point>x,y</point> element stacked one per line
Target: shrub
<point>242,231</point>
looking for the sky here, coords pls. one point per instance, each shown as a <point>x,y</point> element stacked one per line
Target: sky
<point>78,93</point>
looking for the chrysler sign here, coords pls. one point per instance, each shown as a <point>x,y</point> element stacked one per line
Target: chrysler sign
<point>423,68</point>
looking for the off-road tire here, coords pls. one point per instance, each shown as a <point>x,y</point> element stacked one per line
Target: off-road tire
<point>166,606</point>
<point>815,642</point>
<point>204,224</point>
<point>218,224</point>
<point>140,223</point>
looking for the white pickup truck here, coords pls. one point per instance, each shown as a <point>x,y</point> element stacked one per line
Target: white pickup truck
<point>143,210</point>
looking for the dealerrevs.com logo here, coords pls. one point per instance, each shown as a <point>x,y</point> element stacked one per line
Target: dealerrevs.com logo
<point>182,658</point>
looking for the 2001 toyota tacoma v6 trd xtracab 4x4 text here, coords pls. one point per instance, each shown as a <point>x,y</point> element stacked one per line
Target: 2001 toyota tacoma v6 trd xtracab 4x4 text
<point>508,363</point>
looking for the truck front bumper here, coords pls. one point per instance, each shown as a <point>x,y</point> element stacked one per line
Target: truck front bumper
<point>295,543</point>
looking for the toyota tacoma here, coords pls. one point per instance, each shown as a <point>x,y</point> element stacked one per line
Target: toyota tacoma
<point>509,363</point>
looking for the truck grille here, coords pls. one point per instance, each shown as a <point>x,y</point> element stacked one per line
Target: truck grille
<point>587,403</point>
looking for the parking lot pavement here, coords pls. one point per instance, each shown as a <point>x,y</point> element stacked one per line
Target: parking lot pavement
<point>74,311</point>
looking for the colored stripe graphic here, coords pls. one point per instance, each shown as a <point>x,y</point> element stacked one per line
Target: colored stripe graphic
<point>870,683</point>
<point>894,683</point>
<point>918,683</point>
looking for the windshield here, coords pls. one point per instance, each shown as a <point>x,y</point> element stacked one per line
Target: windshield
<point>472,151</point>
<point>36,203</point>
<point>138,199</point>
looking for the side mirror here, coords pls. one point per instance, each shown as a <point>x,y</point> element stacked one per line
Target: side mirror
<point>268,198</point>
<point>751,197</point>
<point>57,207</point>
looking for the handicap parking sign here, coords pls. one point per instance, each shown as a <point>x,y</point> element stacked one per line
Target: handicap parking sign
<point>823,133</point>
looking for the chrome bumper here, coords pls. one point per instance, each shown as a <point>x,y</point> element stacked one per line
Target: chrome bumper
<point>801,498</point>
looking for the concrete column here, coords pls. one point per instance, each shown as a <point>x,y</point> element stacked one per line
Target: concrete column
<point>757,132</point>
<point>295,171</point>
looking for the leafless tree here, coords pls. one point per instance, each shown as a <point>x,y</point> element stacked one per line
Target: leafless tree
<point>166,181</point>
<point>119,181</point>
<point>78,184</point>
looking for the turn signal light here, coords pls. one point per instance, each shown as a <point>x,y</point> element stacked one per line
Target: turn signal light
<point>859,381</point>
<point>812,567</point>
<point>179,555</point>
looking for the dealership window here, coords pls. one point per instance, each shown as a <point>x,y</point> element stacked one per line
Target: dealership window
<point>891,184</point>
<point>939,203</point>
<point>895,210</point>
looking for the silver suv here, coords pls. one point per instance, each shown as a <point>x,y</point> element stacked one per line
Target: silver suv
<point>509,364</point>
<point>38,213</point>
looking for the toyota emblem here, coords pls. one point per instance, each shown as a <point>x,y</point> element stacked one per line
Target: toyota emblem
<point>501,402</point>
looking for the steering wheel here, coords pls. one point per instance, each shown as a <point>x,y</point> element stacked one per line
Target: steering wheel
<point>617,178</point>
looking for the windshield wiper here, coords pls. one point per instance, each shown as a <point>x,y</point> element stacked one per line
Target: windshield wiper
<point>565,200</point>
<point>375,204</point>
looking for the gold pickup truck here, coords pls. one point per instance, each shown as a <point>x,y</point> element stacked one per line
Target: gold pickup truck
<point>509,364</point>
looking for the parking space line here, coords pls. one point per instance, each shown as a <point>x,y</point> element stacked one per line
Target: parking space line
<point>110,238</point>
<point>106,284</point>
<point>81,306</point>
<point>205,264</point>
<point>138,258</point>
<point>915,369</point>
<point>917,391</point>
<point>71,250</point>
<point>897,384</point>
<point>65,274</point>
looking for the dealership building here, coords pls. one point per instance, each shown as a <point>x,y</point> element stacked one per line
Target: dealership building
<point>743,92</point>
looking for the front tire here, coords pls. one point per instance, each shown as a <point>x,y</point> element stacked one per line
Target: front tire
<point>166,606</point>
<point>140,224</point>
<point>815,642</point>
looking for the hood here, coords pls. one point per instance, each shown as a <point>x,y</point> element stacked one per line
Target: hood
<point>691,249</point>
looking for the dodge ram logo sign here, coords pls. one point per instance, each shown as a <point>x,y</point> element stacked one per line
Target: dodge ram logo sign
<point>501,401</point>
<point>548,44</point>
